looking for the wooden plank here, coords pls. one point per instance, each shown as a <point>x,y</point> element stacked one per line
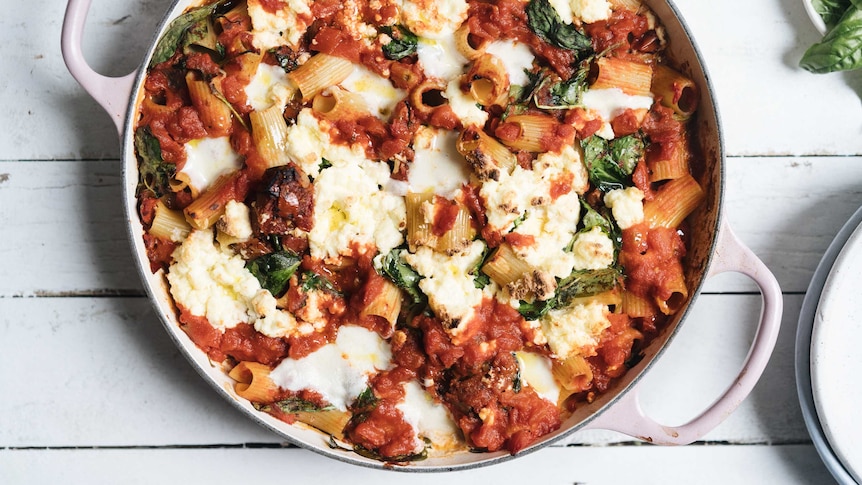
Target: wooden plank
<point>103,372</point>
<point>64,228</point>
<point>647,465</point>
<point>765,100</point>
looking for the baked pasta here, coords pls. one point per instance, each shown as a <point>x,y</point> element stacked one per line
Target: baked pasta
<point>418,226</point>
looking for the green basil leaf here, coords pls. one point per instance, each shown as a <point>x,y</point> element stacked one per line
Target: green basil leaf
<point>840,49</point>
<point>402,274</point>
<point>403,43</point>
<point>155,173</point>
<point>544,21</point>
<point>175,34</point>
<point>587,282</point>
<point>292,405</point>
<point>605,173</point>
<point>830,10</point>
<point>274,270</point>
<point>313,281</point>
<point>627,152</point>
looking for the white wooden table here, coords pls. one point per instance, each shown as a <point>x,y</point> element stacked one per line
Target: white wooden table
<point>93,390</point>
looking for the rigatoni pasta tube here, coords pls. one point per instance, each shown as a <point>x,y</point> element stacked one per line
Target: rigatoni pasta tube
<point>676,293</point>
<point>668,162</point>
<point>427,96</point>
<point>468,45</point>
<point>637,306</point>
<point>673,202</point>
<point>318,73</point>
<point>421,214</point>
<point>335,103</point>
<point>489,80</point>
<point>632,77</point>
<point>573,373</point>
<point>214,112</point>
<point>204,211</point>
<point>253,382</point>
<point>330,421</point>
<point>504,266</point>
<point>169,224</point>
<point>676,91</point>
<point>269,132</point>
<point>385,302</point>
<point>526,132</point>
<point>486,156</point>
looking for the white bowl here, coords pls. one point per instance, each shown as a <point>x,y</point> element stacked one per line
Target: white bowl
<point>815,17</point>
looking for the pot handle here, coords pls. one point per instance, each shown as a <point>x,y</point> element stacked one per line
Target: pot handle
<point>112,93</point>
<point>627,416</point>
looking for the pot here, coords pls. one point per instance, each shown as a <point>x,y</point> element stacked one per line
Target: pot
<point>713,249</point>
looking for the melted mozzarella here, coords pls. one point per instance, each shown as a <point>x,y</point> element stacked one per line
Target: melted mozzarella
<point>535,371</point>
<point>207,158</point>
<point>378,93</point>
<point>437,166</point>
<point>429,419</point>
<point>464,106</point>
<point>610,103</point>
<point>268,87</point>
<point>440,58</point>
<point>516,57</point>
<point>337,371</point>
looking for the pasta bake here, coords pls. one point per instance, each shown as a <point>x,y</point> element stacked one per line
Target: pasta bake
<point>419,226</point>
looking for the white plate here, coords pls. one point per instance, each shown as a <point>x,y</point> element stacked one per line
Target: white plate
<point>836,361</point>
<point>803,351</point>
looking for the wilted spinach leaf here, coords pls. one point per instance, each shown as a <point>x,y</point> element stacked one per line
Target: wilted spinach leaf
<point>402,274</point>
<point>579,283</point>
<point>403,43</point>
<point>603,171</point>
<point>544,21</point>
<point>274,270</point>
<point>154,172</point>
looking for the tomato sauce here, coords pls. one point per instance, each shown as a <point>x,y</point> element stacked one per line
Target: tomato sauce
<point>241,342</point>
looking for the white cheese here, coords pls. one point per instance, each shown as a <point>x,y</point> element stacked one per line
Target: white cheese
<point>437,166</point>
<point>626,205</point>
<point>351,206</point>
<point>535,372</point>
<point>450,289</point>
<point>464,106</point>
<point>591,11</point>
<point>212,282</point>
<point>575,329</point>
<point>378,92</point>
<point>337,371</point>
<point>552,226</point>
<point>593,250</point>
<point>610,103</point>
<point>440,58</point>
<point>308,143</point>
<point>517,58</point>
<point>563,9</point>
<point>207,159</point>
<point>557,165</point>
<point>429,419</point>
<point>284,27</point>
<point>235,221</point>
<point>507,198</point>
<point>433,18</point>
<point>268,87</point>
